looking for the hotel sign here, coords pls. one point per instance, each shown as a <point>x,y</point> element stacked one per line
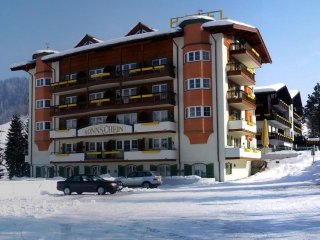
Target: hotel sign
<point>105,129</point>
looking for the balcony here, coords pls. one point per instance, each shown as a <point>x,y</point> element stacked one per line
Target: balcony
<point>155,127</point>
<point>241,127</point>
<point>297,129</point>
<point>297,118</point>
<point>63,133</point>
<point>67,157</point>
<point>151,155</point>
<point>142,100</point>
<point>245,54</point>
<point>241,100</point>
<point>104,155</point>
<point>110,75</point>
<point>275,120</point>
<point>242,153</point>
<point>240,74</point>
<point>280,105</point>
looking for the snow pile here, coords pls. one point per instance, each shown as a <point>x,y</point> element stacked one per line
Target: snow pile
<point>281,203</point>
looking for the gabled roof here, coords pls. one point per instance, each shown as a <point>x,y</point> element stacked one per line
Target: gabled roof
<point>87,38</point>
<point>247,32</point>
<point>269,88</point>
<point>139,28</point>
<point>25,66</point>
<point>296,101</point>
<point>279,88</point>
<point>111,43</point>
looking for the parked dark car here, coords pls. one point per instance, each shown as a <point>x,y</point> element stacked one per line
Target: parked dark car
<point>145,179</point>
<point>87,183</point>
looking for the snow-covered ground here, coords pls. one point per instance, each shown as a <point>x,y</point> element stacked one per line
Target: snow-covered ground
<point>280,203</point>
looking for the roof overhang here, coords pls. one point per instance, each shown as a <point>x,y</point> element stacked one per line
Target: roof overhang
<point>246,32</point>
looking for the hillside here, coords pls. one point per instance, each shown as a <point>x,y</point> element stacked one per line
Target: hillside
<point>13,98</point>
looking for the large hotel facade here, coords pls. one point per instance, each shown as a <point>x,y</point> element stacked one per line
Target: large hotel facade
<point>176,102</point>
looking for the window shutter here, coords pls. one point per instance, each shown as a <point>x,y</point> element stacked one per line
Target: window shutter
<point>121,171</point>
<point>174,170</point>
<point>140,168</point>
<point>38,172</point>
<point>86,170</point>
<point>170,143</point>
<point>187,170</point>
<point>113,144</point>
<point>51,172</point>
<point>61,171</point>
<point>150,143</point>
<point>209,170</point>
<point>63,147</point>
<point>153,168</point>
<point>76,170</point>
<point>103,170</point>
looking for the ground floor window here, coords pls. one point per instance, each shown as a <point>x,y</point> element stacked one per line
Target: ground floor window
<point>68,171</point>
<point>199,170</point>
<point>129,169</point>
<point>164,170</point>
<point>228,168</point>
<point>95,170</point>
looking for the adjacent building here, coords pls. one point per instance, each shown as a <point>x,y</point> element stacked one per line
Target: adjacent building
<point>283,110</point>
<point>178,102</point>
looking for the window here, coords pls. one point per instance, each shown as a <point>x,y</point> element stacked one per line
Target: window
<point>164,170</point>
<point>98,120</point>
<point>70,147</point>
<point>134,144</point>
<point>160,116</point>
<point>159,88</point>
<point>43,126</point>
<point>198,83</point>
<point>126,145</point>
<point>199,170</point>
<point>140,31</point>
<point>72,76</point>
<point>71,123</point>
<point>228,168</point>
<point>69,172</point>
<point>198,111</point>
<point>126,92</point>
<point>43,103</point>
<point>95,170</point>
<point>95,71</point>
<point>160,143</point>
<point>199,55</point>
<point>43,82</point>
<point>159,61</point>
<point>71,99</point>
<point>119,145</point>
<point>97,95</point>
<point>127,118</point>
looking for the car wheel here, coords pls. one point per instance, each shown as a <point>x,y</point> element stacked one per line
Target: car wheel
<point>101,190</point>
<point>79,193</point>
<point>67,191</point>
<point>146,185</point>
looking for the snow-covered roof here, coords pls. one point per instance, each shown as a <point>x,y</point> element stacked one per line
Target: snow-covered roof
<point>225,22</point>
<point>107,43</point>
<point>98,40</point>
<point>293,93</point>
<point>44,51</point>
<point>270,88</point>
<point>194,17</point>
<point>21,64</point>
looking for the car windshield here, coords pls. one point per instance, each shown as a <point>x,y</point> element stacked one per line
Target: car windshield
<point>97,178</point>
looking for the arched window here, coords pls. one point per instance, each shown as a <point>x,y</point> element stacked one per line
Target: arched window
<point>129,169</point>
<point>95,170</point>
<point>199,169</point>
<point>68,171</point>
<point>164,170</point>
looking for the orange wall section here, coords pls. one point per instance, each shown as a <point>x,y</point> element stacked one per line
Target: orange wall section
<point>197,130</point>
<point>42,138</point>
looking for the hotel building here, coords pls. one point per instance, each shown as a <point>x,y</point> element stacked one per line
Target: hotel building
<point>176,102</point>
<point>283,110</point>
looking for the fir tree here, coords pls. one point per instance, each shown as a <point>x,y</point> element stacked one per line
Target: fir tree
<point>15,149</point>
<point>312,112</point>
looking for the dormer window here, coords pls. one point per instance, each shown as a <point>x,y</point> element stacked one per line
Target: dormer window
<point>87,43</point>
<point>141,31</point>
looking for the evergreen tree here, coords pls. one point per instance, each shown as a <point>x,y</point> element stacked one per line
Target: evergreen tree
<point>312,112</point>
<point>15,149</point>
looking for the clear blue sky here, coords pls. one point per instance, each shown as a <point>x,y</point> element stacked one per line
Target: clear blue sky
<point>290,29</point>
